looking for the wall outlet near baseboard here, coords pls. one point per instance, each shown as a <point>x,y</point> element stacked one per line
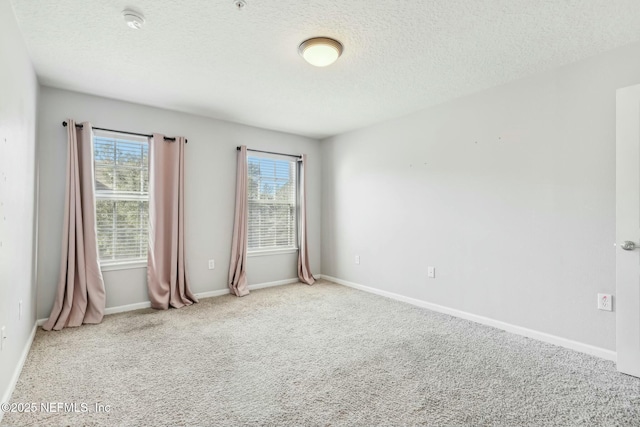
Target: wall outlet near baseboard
<point>431,272</point>
<point>212,264</point>
<point>605,302</point>
<point>358,259</point>
<point>3,337</point>
<point>20,310</point>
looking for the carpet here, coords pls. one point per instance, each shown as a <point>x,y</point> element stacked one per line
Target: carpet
<point>322,355</point>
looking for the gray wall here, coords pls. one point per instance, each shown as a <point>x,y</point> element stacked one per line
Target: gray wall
<point>509,193</point>
<point>18,97</point>
<point>209,194</point>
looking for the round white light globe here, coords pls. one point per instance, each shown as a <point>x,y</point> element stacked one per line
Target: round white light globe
<point>320,51</point>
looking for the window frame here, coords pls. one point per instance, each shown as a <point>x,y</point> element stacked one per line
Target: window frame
<point>268,251</point>
<point>121,263</point>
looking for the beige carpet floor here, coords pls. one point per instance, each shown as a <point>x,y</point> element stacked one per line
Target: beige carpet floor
<point>315,356</point>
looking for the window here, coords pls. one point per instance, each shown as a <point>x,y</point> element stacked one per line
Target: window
<point>122,199</point>
<point>272,203</point>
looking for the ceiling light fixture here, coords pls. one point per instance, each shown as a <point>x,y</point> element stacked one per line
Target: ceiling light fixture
<point>240,4</point>
<point>134,19</point>
<point>320,51</point>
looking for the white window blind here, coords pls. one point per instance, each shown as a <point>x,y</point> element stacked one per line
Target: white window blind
<point>272,203</point>
<point>122,199</point>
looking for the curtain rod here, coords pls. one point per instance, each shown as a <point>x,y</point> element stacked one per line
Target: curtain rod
<point>297,156</point>
<point>166,138</point>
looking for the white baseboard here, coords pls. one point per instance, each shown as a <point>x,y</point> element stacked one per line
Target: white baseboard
<point>210,294</point>
<point>18,369</point>
<point>271,284</point>
<point>519,330</point>
<point>220,292</point>
<point>128,307</point>
<point>201,295</point>
<point>114,310</point>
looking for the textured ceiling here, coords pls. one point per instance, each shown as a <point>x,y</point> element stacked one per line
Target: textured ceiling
<point>205,57</point>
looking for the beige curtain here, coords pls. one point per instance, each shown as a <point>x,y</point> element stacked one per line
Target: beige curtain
<point>304,270</point>
<point>167,279</point>
<point>237,274</point>
<point>80,297</point>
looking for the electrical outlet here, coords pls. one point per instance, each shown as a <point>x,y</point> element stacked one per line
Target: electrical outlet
<point>605,302</point>
<point>19,309</point>
<point>431,272</point>
<point>212,264</point>
<point>357,259</point>
<point>3,337</point>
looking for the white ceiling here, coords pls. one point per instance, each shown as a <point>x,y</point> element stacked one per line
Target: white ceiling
<point>205,57</point>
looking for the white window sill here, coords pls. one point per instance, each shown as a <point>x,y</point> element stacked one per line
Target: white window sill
<point>123,265</point>
<point>268,252</point>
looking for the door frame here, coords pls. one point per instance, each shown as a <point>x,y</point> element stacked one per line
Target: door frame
<point>627,298</point>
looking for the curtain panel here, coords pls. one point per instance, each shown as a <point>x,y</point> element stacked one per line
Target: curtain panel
<point>167,278</point>
<point>80,296</point>
<point>237,267</point>
<point>304,269</point>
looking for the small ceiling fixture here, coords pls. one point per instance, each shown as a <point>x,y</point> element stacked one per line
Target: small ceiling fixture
<point>133,19</point>
<point>240,4</point>
<point>320,51</point>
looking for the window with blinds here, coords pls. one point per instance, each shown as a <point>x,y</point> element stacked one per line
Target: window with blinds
<point>272,203</point>
<point>122,199</point>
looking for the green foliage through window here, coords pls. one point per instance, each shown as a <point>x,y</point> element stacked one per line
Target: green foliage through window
<point>122,199</point>
<point>272,200</point>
